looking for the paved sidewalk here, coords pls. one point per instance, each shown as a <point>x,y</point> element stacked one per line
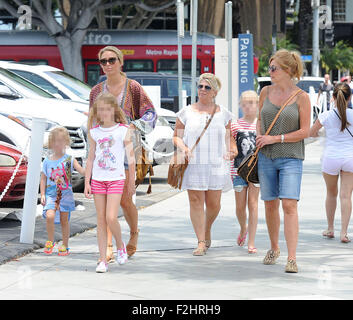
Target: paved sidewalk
<point>164,268</point>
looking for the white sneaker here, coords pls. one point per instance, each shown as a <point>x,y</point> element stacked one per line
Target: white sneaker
<point>102,267</point>
<point>122,255</point>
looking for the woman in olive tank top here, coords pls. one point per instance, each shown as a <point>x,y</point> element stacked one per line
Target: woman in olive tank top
<point>282,151</point>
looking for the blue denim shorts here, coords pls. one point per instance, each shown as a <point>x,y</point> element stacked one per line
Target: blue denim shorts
<point>239,184</point>
<point>280,178</point>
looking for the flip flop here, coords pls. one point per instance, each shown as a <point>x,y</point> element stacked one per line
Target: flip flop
<point>241,241</point>
<point>252,250</point>
<point>329,234</point>
<point>345,239</point>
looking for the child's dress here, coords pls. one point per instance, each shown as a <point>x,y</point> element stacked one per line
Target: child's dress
<point>58,191</point>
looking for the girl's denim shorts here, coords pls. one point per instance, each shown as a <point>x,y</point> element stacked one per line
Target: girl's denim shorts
<point>239,184</point>
<point>280,178</point>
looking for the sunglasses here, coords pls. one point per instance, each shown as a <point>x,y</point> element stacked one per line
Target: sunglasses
<point>273,68</point>
<point>200,86</point>
<point>105,61</point>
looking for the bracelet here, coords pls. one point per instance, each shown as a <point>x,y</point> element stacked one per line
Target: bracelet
<point>282,138</point>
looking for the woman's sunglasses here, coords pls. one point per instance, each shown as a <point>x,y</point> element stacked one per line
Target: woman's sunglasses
<point>105,61</point>
<point>200,86</point>
<point>273,68</point>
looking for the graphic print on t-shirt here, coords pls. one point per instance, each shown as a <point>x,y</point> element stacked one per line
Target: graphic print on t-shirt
<point>61,175</point>
<point>107,158</point>
<point>246,142</point>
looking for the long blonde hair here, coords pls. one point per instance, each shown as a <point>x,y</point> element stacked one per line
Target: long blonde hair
<point>107,98</point>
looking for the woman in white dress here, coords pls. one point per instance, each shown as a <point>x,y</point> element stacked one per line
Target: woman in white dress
<point>208,171</point>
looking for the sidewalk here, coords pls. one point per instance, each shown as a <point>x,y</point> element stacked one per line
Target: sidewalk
<point>163,267</point>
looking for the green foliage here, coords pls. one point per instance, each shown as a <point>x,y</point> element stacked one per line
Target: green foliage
<point>339,57</point>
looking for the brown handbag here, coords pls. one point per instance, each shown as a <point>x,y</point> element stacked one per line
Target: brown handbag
<point>179,163</point>
<point>247,169</point>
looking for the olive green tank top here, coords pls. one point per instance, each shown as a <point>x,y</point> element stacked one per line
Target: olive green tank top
<point>288,121</point>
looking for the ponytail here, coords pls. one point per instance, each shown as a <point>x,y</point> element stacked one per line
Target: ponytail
<point>342,94</point>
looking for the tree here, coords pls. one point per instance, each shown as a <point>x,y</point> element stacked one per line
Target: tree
<point>77,17</point>
<point>339,57</point>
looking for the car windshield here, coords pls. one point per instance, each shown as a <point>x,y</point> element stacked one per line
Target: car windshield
<point>173,87</point>
<point>306,84</point>
<point>78,87</point>
<point>29,89</point>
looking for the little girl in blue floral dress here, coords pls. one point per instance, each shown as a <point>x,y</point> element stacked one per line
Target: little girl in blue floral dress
<point>56,188</point>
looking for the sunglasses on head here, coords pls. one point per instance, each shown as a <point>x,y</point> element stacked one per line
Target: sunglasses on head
<point>200,86</point>
<point>105,61</point>
<point>273,68</point>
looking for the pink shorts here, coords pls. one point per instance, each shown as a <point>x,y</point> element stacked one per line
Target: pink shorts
<point>107,187</point>
<point>334,166</point>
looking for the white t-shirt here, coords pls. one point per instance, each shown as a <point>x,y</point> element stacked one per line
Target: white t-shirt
<point>108,163</point>
<point>339,144</point>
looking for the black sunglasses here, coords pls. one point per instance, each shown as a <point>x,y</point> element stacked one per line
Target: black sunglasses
<point>273,68</point>
<point>105,61</point>
<point>200,86</point>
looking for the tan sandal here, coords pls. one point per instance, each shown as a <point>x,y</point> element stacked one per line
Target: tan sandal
<point>291,267</point>
<point>271,257</point>
<point>110,255</point>
<point>200,251</point>
<point>131,249</point>
<point>208,244</point>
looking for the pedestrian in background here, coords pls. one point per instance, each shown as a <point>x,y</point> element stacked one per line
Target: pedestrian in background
<point>109,141</point>
<point>208,172</point>
<point>337,159</point>
<point>246,194</point>
<point>56,192</point>
<point>140,114</point>
<point>325,88</point>
<point>281,156</point>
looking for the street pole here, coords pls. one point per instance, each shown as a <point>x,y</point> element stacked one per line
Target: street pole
<point>315,4</point>
<point>274,29</point>
<point>180,11</point>
<point>32,181</point>
<point>194,49</point>
<point>229,37</point>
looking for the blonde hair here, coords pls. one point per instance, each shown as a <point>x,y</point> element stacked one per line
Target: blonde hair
<point>107,98</point>
<point>213,81</point>
<point>290,62</point>
<point>249,95</point>
<point>118,53</point>
<point>342,94</point>
<point>54,133</point>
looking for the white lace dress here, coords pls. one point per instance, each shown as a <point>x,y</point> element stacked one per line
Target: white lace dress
<point>207,169</point>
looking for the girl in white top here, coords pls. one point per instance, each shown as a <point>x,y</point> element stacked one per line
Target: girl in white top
<point>208,172</point>
<point>109,140</point>
<point>337,159</point>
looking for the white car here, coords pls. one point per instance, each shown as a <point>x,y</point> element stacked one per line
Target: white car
<point>308,84</point>
<point>18,100</point>
<point>56,81</point>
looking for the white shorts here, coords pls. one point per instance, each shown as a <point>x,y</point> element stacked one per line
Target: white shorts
<point>334,166</point>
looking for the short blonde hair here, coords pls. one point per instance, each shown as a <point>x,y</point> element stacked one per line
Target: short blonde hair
<point>249,95</point>
<point>290,62</point>
<point>213,81</point>
<point>58,131</point>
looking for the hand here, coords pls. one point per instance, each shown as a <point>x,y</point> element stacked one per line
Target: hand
<point>263,140</point>
<point>230,155</point>
<point>87,191</point>
<point>187,153</point>
<point>42,200</point>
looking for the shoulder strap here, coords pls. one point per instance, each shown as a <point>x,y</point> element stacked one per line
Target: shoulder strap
<point>277,115</point>
<point>204,129</point>
<point>341,120</point>
<point>124,96</point>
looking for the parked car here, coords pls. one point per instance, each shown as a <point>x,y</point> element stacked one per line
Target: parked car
<point>19,100</point>
<point>55,81</point>
<point>9,158</point>
<point>167,82</point>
